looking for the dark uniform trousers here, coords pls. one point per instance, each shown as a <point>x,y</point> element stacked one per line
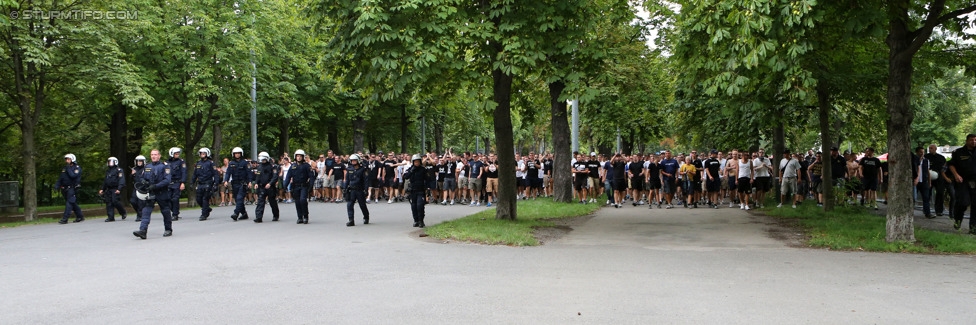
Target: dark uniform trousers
<point>240,189</point>
<point>113,204</point>
<point>417,202</point>
<point>174,200</point>
<point>964,198</point>
<point>357,195</point>
<point>203,199</point>
<point>299,193</point>
<point>270,196</point>
<point>71,204</point>
<point>162,199</point>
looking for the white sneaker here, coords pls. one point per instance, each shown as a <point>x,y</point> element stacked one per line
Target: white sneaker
<point>747,208</point>
<point>742,207</point>
<point>390,201</point>
<point>477,204</point>
<point>731,205</point>
<point>794,206</point>
<point>452,202</point>
<point>781,205</point>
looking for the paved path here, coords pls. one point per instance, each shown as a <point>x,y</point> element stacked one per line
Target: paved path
<point>626,266</point>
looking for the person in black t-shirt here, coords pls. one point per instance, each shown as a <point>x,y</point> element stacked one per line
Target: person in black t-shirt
<point>582,175</point>
<point>593,165</point>
<point>635,171</point>
<point>713,182</point>
<point>619,179</point>
<point>871,173</point>
<point>547,175</point>
<point>962,169</point>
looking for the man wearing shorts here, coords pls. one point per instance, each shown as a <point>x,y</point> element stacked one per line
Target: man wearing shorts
<point>762,169</point>
<point>713,182</point>
<point>582,176</point>
<point>635,170</point>
<point>871,173</point>
<point>788,180</point>
<point>669,169</point>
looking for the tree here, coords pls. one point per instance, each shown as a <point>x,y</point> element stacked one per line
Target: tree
<point>45,54</point>
<point>910,27</point>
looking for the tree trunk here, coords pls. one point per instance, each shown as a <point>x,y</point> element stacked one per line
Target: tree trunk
<point>488,149</point>
<point>901,213</point>
<point>358,130</point>
<point>218,142</point>
<point>403,128</point>
<point>439,137</point>
<point>823,99</point>
<point>333,137</point>
<point>29,151</point>
<point>118,136</point>
<point>504,140</point>
<point>562,181</point>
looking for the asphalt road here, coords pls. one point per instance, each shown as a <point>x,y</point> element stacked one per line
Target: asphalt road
<point>625,266</point>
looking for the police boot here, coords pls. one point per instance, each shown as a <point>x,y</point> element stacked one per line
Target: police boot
<point>139,233</point>
<point>275,218</point>
<point>305,220</point>
<point>234,216</point>
<point>79,219</point>
<point>123,217</point>
<point>365,220</point>
<point>350,223</point>
<point>422,225</point>
<point>175,218</point>
<point>168,232</point>
<point>243,216</point>
<point>257,220</point>
<point>109,219</point>
<point>64,221</point>
<point>202,218</point>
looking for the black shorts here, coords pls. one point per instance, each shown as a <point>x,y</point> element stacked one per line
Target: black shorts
<point>668,186</point>
<point>637,183</point>
<point>579,183</point>
<point>762,184</point>
<point>713,185</point>
<point>869,185</point>
<point>653,184</point>
<point>374,183</point>
<point>388,182</point>
<point>524,182</point>
<point>743,185</point>
<point>536,183</point>
<point>619,184</point>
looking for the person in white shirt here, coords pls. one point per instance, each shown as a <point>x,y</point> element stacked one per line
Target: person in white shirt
<point>788,178</point>
<point>762,171</point>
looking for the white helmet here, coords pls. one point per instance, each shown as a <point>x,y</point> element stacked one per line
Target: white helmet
<point>354,157</point>
<point>72,157</point>
<point>142,196</point>
<point>174,150</point>
<point>140,158</point>
<point>205,150</point>
<point>112,161</point>
<point>415,157</point>
<point>300,152</point>
<point>264,156</point>
<point>237,150</point>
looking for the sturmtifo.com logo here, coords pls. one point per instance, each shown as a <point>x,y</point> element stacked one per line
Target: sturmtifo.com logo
<point>75,14</point>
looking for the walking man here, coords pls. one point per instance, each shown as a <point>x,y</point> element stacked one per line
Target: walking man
<point>962,167</point>
<point>266,184</point>
<point>68,182</point>
<point>238,176</point>
<point>158,177</point>
<point>356,184</point>
<point>177,169</point>
<point>112,187</point>
<point>416,177</point>
<point>205,178</point>
<point>299,179</point>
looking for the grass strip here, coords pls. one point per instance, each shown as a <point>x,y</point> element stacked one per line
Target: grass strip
<point>483,228</point>
<point>854,228</point>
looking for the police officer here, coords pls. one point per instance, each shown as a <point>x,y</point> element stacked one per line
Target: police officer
<point>177,169</point>
<point>962,169</point>
<point>300,178</point>
<point>238,176</point>
<point>158,175</point>
<point>266,184</point>
<point>356,184</point>
<point>68,183</point>
<point>205,178</point>
<point>112,187</point>
<point>137,170</point>
<point>416,177</point>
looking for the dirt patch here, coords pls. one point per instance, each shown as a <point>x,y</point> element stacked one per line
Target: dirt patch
<point>561,228</point>
<point>786,230</point>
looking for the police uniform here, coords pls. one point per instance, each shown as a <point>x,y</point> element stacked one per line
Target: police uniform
<point>964,162</point>
<point>177,170</point>
<point>300,178</point>
<point>356,183</point>
<point>239,174</point>
<point>267,174</point>
<point>159,177</point>
<point>114,181</point>
<point>205,177</point>
<point>68,183</point>
<point>417,179</point>
<point>134,200</point>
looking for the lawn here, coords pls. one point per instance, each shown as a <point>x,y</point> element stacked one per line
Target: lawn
<point>483,228</point>
<point>854,228</point>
